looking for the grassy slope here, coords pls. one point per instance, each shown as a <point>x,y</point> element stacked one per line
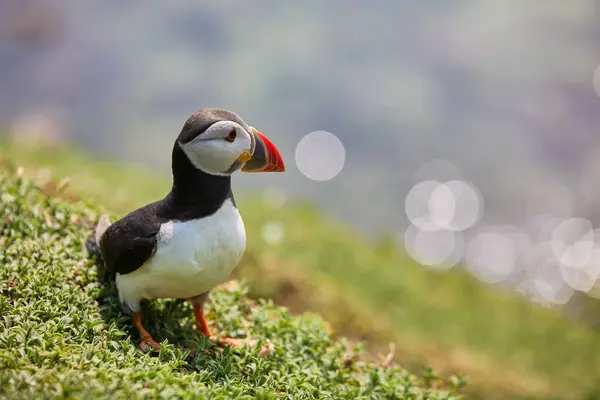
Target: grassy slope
<point>506,346</point>
<point>62,334</point>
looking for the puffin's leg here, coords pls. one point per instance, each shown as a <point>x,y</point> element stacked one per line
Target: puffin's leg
<point>130,305</point>
<point>202,324</point>
<point>145,338</point>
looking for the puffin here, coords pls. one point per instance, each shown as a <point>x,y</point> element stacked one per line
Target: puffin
<point>185,244</point>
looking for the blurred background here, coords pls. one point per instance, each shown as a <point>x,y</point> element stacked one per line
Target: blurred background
<point>463,134</point>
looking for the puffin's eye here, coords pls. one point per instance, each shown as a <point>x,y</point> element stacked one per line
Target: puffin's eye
<point>231,137</point>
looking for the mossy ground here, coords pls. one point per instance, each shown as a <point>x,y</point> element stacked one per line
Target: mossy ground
<point>62,334</point>
<point>368,290</point>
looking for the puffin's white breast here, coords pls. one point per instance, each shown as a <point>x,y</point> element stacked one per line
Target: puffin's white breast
<point>191,258</point>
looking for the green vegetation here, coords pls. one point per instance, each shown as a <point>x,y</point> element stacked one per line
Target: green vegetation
<point>62,334</point>
<point>507,347</point>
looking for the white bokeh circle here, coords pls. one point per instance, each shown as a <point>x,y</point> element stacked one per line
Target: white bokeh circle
<point>454,205</point>
<point>594,292</point>
<point>439,249</point>
<point>528,288</point>
<point>555,292</point>
<point>417,205</point>
<point>583,276</point>
<point>491,257</point>
<point>540,227</point>
<point>442,206</point>
<point>538,254</point>
<point>578,255</point>
<point>320,156</point>
<point>548,280</point>
<point>520,238</point>
<point>596,81</point>
<point>580,262</point>
<point>468,205</point>
<point>572,241</point>
<point>272,232</point>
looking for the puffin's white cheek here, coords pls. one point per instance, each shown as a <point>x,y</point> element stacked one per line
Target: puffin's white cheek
<point>213,157</point>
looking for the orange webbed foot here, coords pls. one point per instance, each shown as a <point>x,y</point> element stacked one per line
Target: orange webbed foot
<point>147,344</point>
<point>233,342</point>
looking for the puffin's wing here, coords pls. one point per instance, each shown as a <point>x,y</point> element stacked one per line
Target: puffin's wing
<point>128,244</point>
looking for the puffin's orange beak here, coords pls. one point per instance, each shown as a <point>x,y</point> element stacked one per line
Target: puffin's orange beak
<point>266,157</point>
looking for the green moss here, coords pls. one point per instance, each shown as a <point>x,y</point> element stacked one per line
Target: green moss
<point>507,347</point>
<point>62,334</point>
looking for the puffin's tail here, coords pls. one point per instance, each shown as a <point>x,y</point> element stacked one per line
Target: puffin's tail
<point>92,244</point>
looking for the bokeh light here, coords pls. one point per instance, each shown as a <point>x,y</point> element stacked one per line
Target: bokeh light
<point>572,241</point>
<point>272,232</point>
<point>491,256</point>
<point>542,268</point>
<point>520,238</point>
<point>442,206</point>
<point>440,249</point>
<point>320,156</point>
<point>468,205</point>
<point>540,227</point>
<point>454,205</point>
<point>439,212</point>
<point>549,257</point>
<point>550,285</point>
<point>417,205</point>
<point>528,288</point>
<point>594,292</point>
<point>596,81</point>
<point>582,275</point>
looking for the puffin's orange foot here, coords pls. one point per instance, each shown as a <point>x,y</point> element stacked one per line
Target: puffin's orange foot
<point>232,342</point>
<point>202,326</point>
<point>149,344</point>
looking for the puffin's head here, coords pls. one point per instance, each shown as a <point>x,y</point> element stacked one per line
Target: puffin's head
<point>219,142</point>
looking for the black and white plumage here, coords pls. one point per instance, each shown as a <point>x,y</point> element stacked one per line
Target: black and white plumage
<point>191,240</point>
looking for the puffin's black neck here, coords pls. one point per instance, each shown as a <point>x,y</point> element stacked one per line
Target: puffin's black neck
<point>195,194</point>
